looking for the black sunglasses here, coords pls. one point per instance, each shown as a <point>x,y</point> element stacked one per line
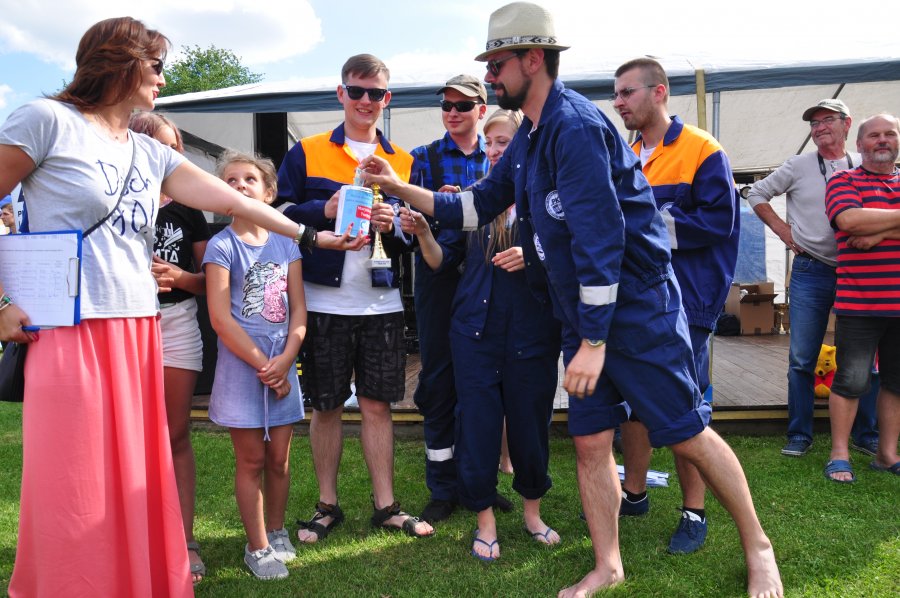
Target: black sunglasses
<point>158,66</point>
<point>356,92</point>
<point>463,106</point>
<point>495,66</point>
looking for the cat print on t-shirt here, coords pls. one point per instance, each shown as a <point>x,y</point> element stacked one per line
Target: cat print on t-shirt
<point>265,292</point>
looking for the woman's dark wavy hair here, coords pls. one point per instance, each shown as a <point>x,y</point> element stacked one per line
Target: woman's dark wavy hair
<point>109,62</point>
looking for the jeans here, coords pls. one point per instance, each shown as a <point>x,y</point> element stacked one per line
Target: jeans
<point>812,295</point>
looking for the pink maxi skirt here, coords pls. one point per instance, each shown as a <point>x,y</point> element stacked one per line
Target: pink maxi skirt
<point>99,514</point>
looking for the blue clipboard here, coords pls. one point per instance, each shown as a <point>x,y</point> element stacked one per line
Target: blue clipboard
<point>41,273</point>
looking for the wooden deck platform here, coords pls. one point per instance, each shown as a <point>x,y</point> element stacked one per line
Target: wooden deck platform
<point>749,385</point>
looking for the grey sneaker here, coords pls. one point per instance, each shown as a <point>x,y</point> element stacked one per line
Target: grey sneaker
<point>281,542</point>
<point>264,563</point>
<point>868,447</point>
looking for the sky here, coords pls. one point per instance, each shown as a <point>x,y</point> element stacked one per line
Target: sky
<point>307,41</point>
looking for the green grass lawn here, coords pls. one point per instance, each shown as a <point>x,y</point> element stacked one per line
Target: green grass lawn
<point>831,540</point>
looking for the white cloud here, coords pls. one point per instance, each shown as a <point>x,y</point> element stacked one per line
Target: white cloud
<point>5,90</point>
<point>258,32</point>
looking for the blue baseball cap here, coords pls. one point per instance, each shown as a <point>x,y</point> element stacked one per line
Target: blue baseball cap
<point>5,200</point>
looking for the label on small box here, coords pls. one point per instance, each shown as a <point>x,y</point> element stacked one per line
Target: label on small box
<point>354,207</point>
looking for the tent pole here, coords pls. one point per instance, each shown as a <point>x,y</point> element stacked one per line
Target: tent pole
<point>700,76</point>
<point>717,106</point>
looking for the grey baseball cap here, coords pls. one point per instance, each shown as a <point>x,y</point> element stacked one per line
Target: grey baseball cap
<point>827,104</point>
<point>466,85</point>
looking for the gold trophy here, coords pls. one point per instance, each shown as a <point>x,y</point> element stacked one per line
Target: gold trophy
<point>379,258</point>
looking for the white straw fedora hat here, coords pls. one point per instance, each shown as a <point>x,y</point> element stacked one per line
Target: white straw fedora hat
<point>520,25</point>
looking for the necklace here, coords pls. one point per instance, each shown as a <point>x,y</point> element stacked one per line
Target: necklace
<point>110,130</point>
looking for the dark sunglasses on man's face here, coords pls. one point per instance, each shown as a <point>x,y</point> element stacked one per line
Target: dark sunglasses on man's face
<point>495,66</point>
<point>356,92</point>
<point>463,106</point>
<point>158,66</point>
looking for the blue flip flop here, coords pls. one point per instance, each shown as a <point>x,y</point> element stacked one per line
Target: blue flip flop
<point>486,559</point>
<point>540,538</point>
<point>894,469</point>
<point>839,466</point>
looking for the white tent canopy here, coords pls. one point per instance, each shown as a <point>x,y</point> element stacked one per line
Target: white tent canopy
<point>754,111</point>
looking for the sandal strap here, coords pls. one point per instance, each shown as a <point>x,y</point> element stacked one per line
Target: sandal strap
<point>379,516</point>
<point>323,510</point>
<point>409,526</point>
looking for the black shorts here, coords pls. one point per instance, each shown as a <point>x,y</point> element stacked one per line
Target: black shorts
<point>857,339</point>
<point>369,349</point>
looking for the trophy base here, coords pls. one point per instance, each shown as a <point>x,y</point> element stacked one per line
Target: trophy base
<point>379,263</point>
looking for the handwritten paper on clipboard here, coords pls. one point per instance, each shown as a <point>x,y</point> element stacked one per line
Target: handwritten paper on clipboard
<point>41,273</point>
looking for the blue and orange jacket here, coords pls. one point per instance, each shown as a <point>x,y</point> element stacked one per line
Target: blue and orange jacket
<point>312,171</point>
<point>695,193</point>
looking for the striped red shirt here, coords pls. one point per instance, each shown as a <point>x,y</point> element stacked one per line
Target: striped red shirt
<point>868,280</point>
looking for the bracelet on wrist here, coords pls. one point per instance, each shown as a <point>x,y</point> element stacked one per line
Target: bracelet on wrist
<point>306,237</point>
<point>5,301</point>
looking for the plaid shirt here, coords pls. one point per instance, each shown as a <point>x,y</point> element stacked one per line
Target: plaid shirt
<point>456,167</point>
<point>439,163</point>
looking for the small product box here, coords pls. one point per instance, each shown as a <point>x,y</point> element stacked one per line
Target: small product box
<point>354,207</point>
<point>754,306</point>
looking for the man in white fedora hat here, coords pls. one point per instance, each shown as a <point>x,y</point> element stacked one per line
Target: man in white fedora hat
<point>588,216</point>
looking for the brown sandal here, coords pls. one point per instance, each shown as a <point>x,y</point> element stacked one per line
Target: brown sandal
<point>323,510</point>
<point>380,516</point>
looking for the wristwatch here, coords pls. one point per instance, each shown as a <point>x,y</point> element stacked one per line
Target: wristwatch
<point>595,343</point>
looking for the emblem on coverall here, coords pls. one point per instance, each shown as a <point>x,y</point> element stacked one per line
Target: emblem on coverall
<point>554,206</point>
<point>538,248</point>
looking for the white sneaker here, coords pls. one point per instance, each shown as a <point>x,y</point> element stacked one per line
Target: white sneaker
<point>264,563</point>
<point>281,542</point>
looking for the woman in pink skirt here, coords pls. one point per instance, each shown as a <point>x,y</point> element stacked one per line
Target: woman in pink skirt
<point>99,511</point>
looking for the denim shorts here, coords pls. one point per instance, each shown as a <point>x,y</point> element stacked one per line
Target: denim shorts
<point>857,338</point>
<point>371,349</point>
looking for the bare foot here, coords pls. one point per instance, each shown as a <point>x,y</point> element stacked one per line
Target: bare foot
<point>593,582</point>
<point>763,579</point>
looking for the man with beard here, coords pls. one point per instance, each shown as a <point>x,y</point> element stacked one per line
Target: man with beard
<point>587,214</point>
<point>808,234</point>
<point>864,209</point>
<point>694,191</point>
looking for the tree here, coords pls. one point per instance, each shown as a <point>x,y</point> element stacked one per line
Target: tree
<point>202,70</point>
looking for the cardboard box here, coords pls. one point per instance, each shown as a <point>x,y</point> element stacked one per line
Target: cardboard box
<point>755,309</point>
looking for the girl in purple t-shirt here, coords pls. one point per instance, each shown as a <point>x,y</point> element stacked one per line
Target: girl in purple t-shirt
<point>257,307</point>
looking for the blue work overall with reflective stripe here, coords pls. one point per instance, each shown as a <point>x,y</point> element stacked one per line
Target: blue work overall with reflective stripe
<point>505,353</point>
